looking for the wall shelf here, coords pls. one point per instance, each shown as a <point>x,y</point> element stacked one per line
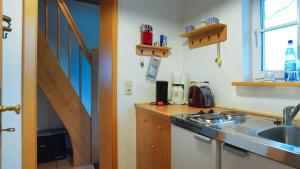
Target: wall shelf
<point>147,50</point>
<point>270,84</point>
<point>206,35</point>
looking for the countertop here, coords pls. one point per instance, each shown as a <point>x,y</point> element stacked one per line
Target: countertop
<point>244,134</point>
<point>171,110</point>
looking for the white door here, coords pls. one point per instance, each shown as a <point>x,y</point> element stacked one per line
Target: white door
<point>236,158</point>
<point>192,151</point>
<point>11,141</point>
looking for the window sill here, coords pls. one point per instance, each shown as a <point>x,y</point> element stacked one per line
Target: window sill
<point>270,84</point>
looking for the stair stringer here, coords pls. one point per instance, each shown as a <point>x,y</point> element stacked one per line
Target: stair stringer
<point>65,101</point>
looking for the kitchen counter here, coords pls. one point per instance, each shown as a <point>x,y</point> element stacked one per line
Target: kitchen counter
<point>245,136</point>
<point>170,110</point>
<point>241,135</point>
<point>153,133</point>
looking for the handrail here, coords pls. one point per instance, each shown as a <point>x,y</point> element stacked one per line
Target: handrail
<point>72,25</point>
<point>72,31</point>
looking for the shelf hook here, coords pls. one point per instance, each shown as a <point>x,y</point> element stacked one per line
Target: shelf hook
<point>7,28</point>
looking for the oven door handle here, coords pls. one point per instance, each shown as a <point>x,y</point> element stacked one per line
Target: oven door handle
<point>202,138</point>
<point>235,150</point>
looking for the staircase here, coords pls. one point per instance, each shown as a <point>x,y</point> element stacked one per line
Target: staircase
<point>56,79</point>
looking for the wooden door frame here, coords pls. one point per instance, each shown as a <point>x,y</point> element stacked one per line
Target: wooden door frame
<point>29,50</point>
<point>107,84</point>
<point>108,155</point>
<point>29,84</point>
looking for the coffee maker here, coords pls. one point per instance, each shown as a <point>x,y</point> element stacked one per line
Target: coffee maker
<point>177,90</point>
<point>162,93</point>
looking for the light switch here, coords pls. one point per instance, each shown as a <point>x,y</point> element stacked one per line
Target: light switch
<point>128,88</point>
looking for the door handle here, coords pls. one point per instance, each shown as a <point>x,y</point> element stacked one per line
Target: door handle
<point>8,130</point>
<point>16,109</point>
<point>235,150</point>
<point>202,138</point>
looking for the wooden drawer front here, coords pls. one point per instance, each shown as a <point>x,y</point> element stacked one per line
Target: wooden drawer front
<point>145,120</point>
<point>152,152</point>
<point>144,149</point>
<point>162,128</point>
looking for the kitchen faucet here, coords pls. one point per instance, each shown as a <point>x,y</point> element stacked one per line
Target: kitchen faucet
<point>289,113</point>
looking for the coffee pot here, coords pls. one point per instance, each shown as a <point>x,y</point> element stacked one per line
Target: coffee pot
<point>177,89</point>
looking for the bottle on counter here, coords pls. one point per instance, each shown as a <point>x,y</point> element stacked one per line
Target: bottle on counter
<point>290,64</point>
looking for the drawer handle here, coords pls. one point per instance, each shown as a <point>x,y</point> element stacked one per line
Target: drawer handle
<point>160,127</point>
<point>153,147</point>
<point>202,138</point>
<point>145,120</point>
<point>235,150</point>
<point>43,146</point>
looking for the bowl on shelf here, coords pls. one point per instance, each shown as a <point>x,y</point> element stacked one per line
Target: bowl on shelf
<point>189,28</point>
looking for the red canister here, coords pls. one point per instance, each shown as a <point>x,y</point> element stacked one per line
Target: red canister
<point>146,38</point>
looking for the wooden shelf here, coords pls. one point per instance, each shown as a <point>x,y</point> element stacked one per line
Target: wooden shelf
<point>206,35</point>
<point>279,84</point>
<point>147,50</point>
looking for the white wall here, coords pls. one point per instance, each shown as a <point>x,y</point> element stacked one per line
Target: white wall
<point>87,18</point>
<point>200,62</point>
<point>165,17</point>
<point>169,17</point>
<point>47,117</point>
<point>11,142</point>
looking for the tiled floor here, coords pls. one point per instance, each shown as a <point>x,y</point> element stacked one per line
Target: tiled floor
<point>62,164</point>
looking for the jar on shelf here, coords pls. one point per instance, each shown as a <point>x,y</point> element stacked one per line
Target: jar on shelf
<point>146,34</point>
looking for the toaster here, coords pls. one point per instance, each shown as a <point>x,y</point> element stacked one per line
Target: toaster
<point>200,97</point>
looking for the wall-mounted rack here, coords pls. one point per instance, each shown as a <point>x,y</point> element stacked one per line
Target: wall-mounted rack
<point>147,50</point>
<point>206,35</point>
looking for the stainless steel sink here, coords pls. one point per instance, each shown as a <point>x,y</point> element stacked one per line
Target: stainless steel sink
<point>287,134</point>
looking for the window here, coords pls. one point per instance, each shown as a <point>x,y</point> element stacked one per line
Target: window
<point>278,24</point>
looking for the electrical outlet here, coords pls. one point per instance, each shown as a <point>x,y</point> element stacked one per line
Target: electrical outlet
<point>128,88</point>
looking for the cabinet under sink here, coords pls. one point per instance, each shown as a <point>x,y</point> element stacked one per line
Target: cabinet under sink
<point>192,151</point>
<point>236,158</point>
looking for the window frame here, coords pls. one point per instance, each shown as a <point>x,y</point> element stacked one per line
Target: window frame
<point>258,42</point>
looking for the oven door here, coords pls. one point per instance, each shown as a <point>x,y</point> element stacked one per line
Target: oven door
<point>193,151</point>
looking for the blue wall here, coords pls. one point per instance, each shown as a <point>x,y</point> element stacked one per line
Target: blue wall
<point>87,18</point>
